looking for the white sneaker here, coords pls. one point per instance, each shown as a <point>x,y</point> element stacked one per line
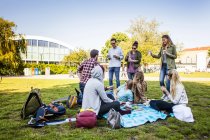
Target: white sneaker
<point>163,97</point>
<point>166,98</point>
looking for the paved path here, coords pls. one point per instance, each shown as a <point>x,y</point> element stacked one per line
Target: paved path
<point>66,76</point>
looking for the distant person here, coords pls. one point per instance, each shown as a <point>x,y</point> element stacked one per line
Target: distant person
<point>133,59</point>
<point>84,70</point>
<point>139,87</point>
<point>124,92</point>
<point>168,55</point>
<point>95,96</point>
<point>178,98</point>
<point>115,55</point>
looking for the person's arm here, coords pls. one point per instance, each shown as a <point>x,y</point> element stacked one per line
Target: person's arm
<point>174,53</point>
<point>138,60</point>
<point>126,57</point>
<point>130,96</point>
<point>102,94</point>
<point>156,56</point>
<point>177,96</point>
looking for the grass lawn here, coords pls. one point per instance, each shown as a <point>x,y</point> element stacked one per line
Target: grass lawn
<point>13,93</point>
<point>182,74</point>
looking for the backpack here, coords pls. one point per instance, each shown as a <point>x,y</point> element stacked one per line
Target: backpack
<point>86,119</point>
<point>113,119</point>
<point>32,103</point>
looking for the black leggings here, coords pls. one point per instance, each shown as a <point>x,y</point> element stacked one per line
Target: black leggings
<point>105,107</point>
<point>161,105</point>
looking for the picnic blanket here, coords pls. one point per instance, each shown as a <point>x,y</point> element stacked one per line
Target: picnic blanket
<point>140,115</point>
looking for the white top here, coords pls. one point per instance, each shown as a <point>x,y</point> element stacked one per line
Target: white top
<point>114,62</point>
<point>180,97</point>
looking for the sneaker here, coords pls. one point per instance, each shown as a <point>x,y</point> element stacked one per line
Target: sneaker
<point>166,98</point>
<point>163,97</point>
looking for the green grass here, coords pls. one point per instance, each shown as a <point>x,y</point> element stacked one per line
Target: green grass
<point>13,93</point>
<point>182,74</point>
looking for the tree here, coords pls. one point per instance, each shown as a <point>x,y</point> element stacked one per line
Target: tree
<point>11,46</point>
<point>76,57</point>
<point>120,37</point>
<point>148,36</point>
<point>209,52</point>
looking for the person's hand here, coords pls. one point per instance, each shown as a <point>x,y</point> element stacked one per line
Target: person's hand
<point>115,56</point>
<point>108,57</point>
<point>130,60</point>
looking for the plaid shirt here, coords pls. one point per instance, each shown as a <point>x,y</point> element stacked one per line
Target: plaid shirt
<point>85,69</point>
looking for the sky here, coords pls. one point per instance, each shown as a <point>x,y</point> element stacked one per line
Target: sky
<point>89,23</point>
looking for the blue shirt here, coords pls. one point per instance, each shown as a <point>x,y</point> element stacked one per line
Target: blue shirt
<point>114,62</point>
<point>124,95</point>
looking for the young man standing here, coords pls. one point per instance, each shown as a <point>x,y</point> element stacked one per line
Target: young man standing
<point>115,55</point>
<point>84,70</point>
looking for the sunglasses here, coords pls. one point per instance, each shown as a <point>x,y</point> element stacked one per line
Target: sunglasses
<point>134,48</point>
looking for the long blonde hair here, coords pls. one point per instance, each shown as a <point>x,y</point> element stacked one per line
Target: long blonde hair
<point>175,80</point>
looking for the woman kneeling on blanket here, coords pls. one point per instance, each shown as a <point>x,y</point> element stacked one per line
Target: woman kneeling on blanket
<point>139,87</point>
<point>95,96</point>
<point>177,96</point>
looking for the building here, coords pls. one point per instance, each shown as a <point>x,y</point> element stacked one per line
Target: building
<point>44,50</point>
<point>196,57</point>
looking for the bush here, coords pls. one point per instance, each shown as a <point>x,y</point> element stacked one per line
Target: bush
<point>54,68</point>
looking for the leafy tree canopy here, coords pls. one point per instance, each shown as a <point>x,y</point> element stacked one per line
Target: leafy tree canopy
<point>11,45</point>
<point>76,57</point>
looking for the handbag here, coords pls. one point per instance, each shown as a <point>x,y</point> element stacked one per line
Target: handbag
<point>113,119</point>
<point>86,119</point>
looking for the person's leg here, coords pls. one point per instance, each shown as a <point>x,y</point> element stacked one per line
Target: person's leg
<point>132,76</point>
<point>107,106</point>
<point>111,72</point>
<point>82,87</point>
<point>161,105</point>
<point>110,94</point>
<point>129,75</point>
<point>162,76</point>
<point>117,75</point>
<point>167,82</point>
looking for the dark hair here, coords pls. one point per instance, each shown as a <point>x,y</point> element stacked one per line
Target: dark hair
<point>113,39</point>
<point>135,44</point>
<point>129,84</point>
<point>169,39</point>
<point>93,53</point>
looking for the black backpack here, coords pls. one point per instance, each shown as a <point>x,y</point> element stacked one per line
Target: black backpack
<point>32,104</point>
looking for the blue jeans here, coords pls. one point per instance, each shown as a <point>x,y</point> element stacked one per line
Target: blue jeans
<point>163,74</point>
<point>116,71</point>
<point>82,87</point>
<point>130,75</point>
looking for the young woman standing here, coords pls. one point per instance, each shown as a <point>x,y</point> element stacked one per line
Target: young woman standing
<point>133,59</point>
<point>168,55</point>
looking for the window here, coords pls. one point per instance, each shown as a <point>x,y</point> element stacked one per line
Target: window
<point>53,45</point>
<point>29,42</point>
<point>34,42</point>
<point>42,43</point>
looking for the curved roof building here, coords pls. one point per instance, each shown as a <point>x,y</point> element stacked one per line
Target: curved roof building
<point>44,49</point>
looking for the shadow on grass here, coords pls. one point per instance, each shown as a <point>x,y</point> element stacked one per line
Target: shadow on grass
<point>13,127</point>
